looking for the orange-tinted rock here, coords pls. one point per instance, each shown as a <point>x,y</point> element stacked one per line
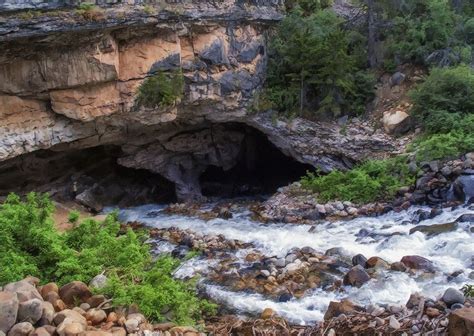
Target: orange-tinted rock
<point>74,292</point>
<point>461,322</point>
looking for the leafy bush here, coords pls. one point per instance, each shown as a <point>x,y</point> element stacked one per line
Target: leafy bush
<point>446,90</point>
<point>370,181</point>
<point>443,146</point>
<point>32,246</point>
<point>423,32</point>
<point>73,217</point>
<point>161,90</point>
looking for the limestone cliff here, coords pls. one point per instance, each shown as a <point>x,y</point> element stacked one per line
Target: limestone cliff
<point>69,79</point>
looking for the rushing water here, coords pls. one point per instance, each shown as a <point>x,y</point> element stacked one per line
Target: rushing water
<point>386,236</point>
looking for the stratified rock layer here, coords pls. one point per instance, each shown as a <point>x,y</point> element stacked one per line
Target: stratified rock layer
<point>70,80</point>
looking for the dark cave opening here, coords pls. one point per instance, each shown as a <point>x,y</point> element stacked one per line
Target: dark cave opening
<point>261,169</point>
<point>90,176</point>
<point>93,177</point>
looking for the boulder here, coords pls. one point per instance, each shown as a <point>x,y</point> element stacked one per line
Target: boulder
<point>461,322</point>
<point>47,315</point>
<point>96,300</point>
<point>22,329</point>
<point>99,281</point>
<point>8,310</point>
<point>396,122</point>
<point>452,296</point>
<point>24,290</point>
<point>418,263</point>
<point>30,311</point>
<point>74,291</point>
<point>267,313</point>
<point>336,308</point>
<point>466,218</point>
<point>48,288</point>
<point>96,316</point>
<point>70,327</point>
<point>464,187</point>
<point>435,229</point>
<point>359,259</point>
<point>41,331</point>
<point>71,316</point>
<point>357,276</point>
<point>376,262</point>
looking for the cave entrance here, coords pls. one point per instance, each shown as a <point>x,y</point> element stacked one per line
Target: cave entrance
<point>90,176</point>
<point>261,168</point>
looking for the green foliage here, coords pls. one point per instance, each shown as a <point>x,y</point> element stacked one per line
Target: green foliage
<point>368,182</point>
<point>314,67</point>
<point>73,217</point>
<point>468,290</point>
<point>445,91</point>
<point>32,246</point>
<point>86,6</point>
<point>444,106</point>
<point>443,146</point>
<point>161,90</point>
<point>425,32</point>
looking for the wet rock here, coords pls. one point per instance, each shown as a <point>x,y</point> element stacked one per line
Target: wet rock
<point>376,262</point>
<point>359,259</point>
<point>74,291</point>
<point>357,276</point>
<point>464,187</point>
<point>285,297</point>
<point>8,310</point>
<point>30,311</point>
<point>267,313</point>
<point>461,322</point>
<point>398,266</point>
<point>336,309</point>
<point>452,296</point>
<point>457,306</point>
<point>393,323</point>
<point>466,218</point>
<point>418,263</point>
<point>21,329</point>
<point>435,229</point>
<point>397,78</point>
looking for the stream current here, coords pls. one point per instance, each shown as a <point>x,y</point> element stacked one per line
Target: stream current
<point>386,236</point>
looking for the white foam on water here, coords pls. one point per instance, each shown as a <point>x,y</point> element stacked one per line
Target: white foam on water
<point>387,236</point>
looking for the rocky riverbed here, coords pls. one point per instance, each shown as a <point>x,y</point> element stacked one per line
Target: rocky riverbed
<point>400,272</point>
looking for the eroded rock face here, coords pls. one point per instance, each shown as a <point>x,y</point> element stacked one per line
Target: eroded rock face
<point>71,82</point>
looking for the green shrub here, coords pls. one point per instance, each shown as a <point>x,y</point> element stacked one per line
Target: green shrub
<point>420,29</point>
<point>32,246</point>
<point>445,101</point>
<point>443,146</point>
<point>73,217</point>
<point>161,90</point>
<point>368,182</point>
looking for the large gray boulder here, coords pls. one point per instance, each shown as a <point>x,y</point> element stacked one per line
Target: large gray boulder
<point>30,311</point>
<point>8,310</point>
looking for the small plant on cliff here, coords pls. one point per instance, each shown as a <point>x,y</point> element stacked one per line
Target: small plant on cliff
<point>90,12</point>
<point>368,182</point>
<point>161,90</point>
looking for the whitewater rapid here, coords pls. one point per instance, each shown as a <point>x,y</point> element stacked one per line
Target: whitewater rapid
<point>385,236</point>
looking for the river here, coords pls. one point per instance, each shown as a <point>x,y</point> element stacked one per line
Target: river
<point>385,236</point>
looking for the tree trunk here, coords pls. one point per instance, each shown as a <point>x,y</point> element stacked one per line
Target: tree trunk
<point>372,34</point>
